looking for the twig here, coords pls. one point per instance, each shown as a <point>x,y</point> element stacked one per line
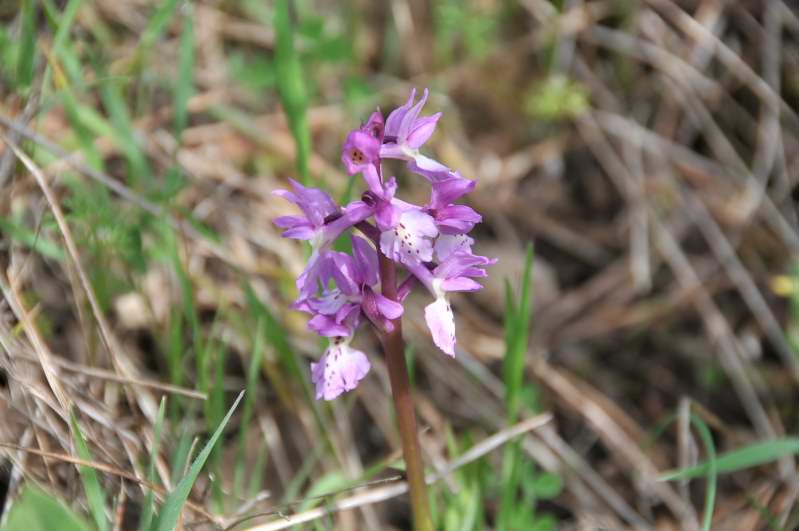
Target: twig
<point>392,491</point>
<point>110,376</point>
<point>108,469</point>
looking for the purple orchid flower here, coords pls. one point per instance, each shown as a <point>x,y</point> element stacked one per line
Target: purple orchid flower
<point>338,310</point>
<point>375,125</point>
<point>455,273</point>
<point>405,132</point>
<point>449,218</point>
<point>342,290</point>
<point>361,154</point>
<point>321,223</point>
<point>339,370</point>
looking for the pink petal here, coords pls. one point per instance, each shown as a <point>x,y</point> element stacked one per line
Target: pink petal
<point>394,119</point>
<point>339,370</point>
<point>422,130</point>
<point>390,309</point>
<point>460,284</point>
<point>441,323</point>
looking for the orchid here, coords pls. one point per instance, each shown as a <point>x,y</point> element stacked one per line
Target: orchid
<point>341,291</point>
<point>321,223</point>
<point>339,370</point>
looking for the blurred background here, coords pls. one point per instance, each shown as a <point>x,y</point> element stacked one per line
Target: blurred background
<point>645,151</point>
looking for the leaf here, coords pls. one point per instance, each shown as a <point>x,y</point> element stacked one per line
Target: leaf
<point>170,510</point>
<point>547,485</point>
<point>27,48</point>
<point>32,239</point>
<point>157,24</point>
<point>147,509</point>
<point>517,324</point>
<point>254,370</point>
<point>517,327</point>
<point>753,455</point>
<point>35,510</point>
<point>91,483</point>
<point>184,85</point>
<point>557,98</point>
<point>291,86</point>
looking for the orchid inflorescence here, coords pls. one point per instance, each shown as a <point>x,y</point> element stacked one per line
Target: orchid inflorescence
<point>431,242</point>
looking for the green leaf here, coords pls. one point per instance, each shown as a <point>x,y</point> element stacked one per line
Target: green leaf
<point>65,23</point>
<point>35,510</point>
<point>517,325</point>
<point>547,485</point>
<point>27,48</point>
<point>122,131</point>
<point>753,455</point>
<point>557,98</point>
<point>157,24</point>
<point>710,449</point>
<point>184,85</point>
<point>29,238</point>
<point>545,522</point>
<point>517,333</point>
<point>91,483</point>
<point>291,86</point>
<point>246,415</point>
<point>170,510</point>
<point>148,508</point>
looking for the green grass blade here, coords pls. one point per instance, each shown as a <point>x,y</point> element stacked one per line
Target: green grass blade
<point>27,47</point>
<point>276,336</point>
<point>217,400</point>
<point>148,508</point>
<point>257,474</point>
<point>156,25</point>
<point>712,478</point>
<point>61,46</point>
<point>184,84</point>
<point>170,510</point>
<point>247,410</point>
<point>31,239</point>
<point>517,327</point>
<point>65,23</point>
<point>291,86</point>
<point>82,132</point>
<point>35,510</point>
<point>516,341</point>
<point>94,491</point>
<point>123,132</point>
<point>180,457</point>
<point>753,455</point>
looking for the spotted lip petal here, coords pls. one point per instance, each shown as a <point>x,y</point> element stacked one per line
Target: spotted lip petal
<point>409,240</point>
<point>441,322</point>
<point>447,244</point>
<point>339,370</point>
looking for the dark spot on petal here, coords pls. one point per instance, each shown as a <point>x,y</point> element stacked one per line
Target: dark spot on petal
<point>369,198</point>
<point>332,217</point>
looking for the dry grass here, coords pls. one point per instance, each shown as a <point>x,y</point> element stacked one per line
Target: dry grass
<point>658,182</point>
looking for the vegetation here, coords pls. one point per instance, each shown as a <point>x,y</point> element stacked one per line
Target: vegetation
<point>639,369</point>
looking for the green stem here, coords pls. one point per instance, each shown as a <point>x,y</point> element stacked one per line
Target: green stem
<point>394,347</point>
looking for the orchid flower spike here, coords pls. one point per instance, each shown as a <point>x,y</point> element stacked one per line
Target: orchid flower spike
<point>341,290</point>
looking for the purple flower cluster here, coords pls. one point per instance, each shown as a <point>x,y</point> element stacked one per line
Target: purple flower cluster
<point>431,241</point>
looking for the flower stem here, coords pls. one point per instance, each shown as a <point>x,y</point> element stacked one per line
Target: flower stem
<point>394,347</point>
